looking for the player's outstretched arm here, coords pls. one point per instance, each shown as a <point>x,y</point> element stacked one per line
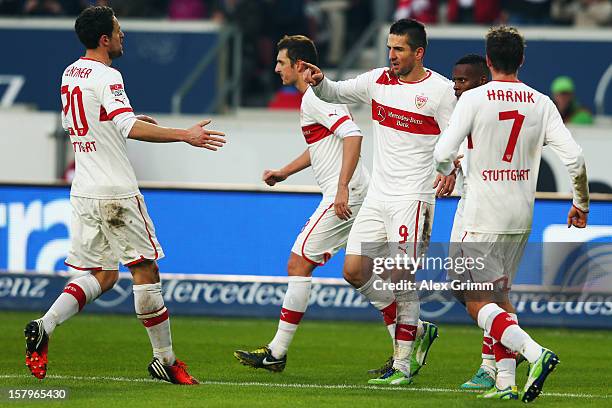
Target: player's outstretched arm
<point>354,90</point>
<point>147,119</point>
<point>271,177</point>
<point>351,149</point>
<point>311,73</point>
<point>196,135</point>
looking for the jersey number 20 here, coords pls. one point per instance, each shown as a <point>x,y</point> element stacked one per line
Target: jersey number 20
<point>74,103</point>
<point>514,133</point>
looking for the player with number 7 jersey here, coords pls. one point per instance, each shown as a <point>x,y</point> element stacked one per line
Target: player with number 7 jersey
<point>506,123</point>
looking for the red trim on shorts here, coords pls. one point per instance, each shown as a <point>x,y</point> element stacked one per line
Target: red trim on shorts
<point>98,268</point>
<point>137,261</point>
<point>291,316</point>
<point>154,321</point>
<point>501,322</point>
<point>416,229</point>
<point>147,228</point>
<point>308,235</point>
<point>78,293</point>
<point>405,332</point>
<point>389,313</point>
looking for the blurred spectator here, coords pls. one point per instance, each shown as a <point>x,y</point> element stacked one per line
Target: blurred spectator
<point>563,12</point>
<point>186,9</point>
<point>473,11</point>
<point>526,12</point>
<point>425,11</point>
<point>562,89</point>
<point>594,13</point>
<point>583,13</point>
<point>43,8</point>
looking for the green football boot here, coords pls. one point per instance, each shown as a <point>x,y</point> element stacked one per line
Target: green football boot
<point>538,372</point>
<point>510,393</point>
<point>391,377</point>
<point>421,347</point>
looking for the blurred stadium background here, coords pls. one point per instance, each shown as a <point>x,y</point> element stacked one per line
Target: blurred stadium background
<point>226,235</point>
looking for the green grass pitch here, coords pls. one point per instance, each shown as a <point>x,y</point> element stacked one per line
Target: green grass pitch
<point>102,361</point>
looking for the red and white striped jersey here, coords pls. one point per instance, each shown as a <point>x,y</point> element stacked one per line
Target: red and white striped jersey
<point>508,123</point>
<point>324,126</point>
<point>93,95</point>
<point>407,119</point>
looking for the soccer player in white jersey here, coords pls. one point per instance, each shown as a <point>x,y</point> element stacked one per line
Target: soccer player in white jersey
<point>334,147</point>
<point>508,123</point>
<point>411,105</point>
<point>110,223</point>
<point>469,72</point>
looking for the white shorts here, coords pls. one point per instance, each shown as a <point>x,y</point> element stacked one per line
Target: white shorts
<point>386,228</point>
<point>496,257</point>
<point>106,232</point>
<point>324,234</point>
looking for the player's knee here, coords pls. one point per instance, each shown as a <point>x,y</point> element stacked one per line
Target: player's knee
<point>106,279</point>
<point>352,273</point>
<point>298,266</point>
<point>145,272</point>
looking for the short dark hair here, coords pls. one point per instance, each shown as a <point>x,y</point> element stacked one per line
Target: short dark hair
<point>505,49</point>
<point>477,61</point>
<point>417,37</point>
<point>93,23</point>
<point>299,47</point>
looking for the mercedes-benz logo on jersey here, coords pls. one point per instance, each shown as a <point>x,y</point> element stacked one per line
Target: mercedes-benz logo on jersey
<point>117,295</point>
<point>382,114</point>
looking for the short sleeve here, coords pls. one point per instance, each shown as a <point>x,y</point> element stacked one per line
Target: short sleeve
<point>337,118</point>
<point>112,94</point>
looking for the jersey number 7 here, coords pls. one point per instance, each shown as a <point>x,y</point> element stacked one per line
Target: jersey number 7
<point>74,103</point>
<point>514,133</point>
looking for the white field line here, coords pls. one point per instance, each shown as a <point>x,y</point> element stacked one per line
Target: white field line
<point>312,386</point>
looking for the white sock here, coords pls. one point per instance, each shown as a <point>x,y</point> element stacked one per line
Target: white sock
<point>489,366</point>
<point>294,306</point>
<point>506,366</point>
<point>383,300</point>
<point>76,295</point>
<point>408,309</point>
<point>505,330</point>
<point>150,309</point>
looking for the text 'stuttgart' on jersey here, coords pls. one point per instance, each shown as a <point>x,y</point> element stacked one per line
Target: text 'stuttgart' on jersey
<point>324,126</point>
<point>407,118</point>
<point>508,123</point>
<point>96,113</point>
